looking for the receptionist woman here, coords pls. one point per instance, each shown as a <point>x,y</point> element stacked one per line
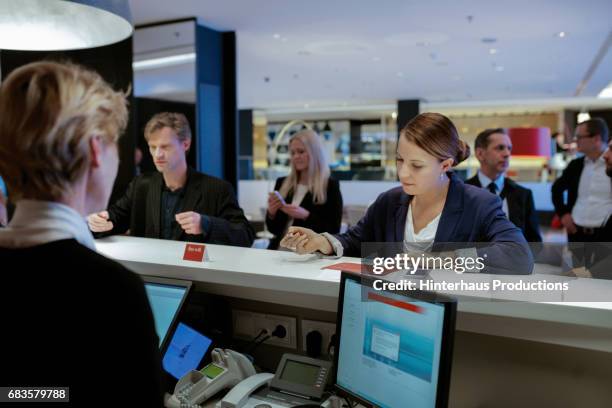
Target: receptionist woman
<point>308,197</point>
<point>432,205</point>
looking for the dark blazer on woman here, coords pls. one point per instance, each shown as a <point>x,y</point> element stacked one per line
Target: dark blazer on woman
<point>470,214</point>
<point>520,206</point>
<point>325,217</point>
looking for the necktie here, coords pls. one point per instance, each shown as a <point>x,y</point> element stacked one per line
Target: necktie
<point>492,188</point>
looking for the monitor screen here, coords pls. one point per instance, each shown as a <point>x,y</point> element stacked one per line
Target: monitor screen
<point>390,347</point>
<point>166,296</point>
<point>185,351</point>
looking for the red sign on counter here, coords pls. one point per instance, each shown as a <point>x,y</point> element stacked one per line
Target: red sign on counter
<point>194,252</point>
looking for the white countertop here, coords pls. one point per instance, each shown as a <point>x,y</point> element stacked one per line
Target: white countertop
<point>299,280</point>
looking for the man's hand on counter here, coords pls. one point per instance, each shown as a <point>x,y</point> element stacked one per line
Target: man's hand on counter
<point>190,222</point>
<point>98,222</point>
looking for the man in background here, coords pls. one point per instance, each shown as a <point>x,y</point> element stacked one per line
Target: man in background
<point>588,206</point>
<point>493,150</point>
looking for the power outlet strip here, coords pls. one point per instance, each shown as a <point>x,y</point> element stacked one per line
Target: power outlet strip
<point>325,328</point>
<point>247,325</point>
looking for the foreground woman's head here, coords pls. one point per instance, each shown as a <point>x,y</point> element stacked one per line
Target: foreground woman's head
<point>428,147</point>
<point>59,126</point>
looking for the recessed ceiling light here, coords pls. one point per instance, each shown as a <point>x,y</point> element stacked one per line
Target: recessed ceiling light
<point>606,92</point>
<point>394,115</point>
<point>276,36</point>
<point>493,51</point>
<point>561,34</point>
<point>488,40</point>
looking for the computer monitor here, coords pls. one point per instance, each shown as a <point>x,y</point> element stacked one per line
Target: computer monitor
<point>166,297</point>
<point>394,348</point>
<point>185,351</point>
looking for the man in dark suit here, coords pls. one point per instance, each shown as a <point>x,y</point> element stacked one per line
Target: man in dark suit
<point>176,202</point>
<point>493,149</point>
<point>589,191</point>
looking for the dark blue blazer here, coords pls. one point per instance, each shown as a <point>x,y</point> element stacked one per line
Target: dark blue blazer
<point>470,215</point>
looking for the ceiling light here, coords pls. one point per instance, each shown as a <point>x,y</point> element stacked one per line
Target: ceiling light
<point>394,115</point>
<point>606,92</point>
<point>164,61</point>
<point>53,25</point>
<point>493,51</point>
<point>561,34</point>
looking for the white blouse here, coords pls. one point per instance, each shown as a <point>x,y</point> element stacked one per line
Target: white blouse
<point>425,235</point>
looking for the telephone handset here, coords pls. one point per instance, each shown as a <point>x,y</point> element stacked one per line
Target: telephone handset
<point>239,395</point>
<point>227,369</point>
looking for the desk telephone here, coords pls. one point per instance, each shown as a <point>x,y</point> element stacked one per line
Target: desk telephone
<point>298,381</point>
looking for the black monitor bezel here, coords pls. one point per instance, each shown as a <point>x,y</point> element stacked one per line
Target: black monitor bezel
<point>175,320</point>
<point>446,348</point>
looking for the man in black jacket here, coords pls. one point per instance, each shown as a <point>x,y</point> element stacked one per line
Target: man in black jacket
<point>493,149</point>
<point>176,202</point>
<point>589,191</point>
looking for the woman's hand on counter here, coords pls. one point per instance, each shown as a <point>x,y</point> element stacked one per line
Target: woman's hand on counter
<point>306,241</point>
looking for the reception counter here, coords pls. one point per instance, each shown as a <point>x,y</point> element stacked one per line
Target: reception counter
<point>300,280</point>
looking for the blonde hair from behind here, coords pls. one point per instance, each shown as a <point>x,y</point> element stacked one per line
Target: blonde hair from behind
<point>318,169</point>
<point>49,113</point>
<point>175,121</point>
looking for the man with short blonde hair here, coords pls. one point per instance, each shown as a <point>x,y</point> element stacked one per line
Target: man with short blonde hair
<point>176,202</point>
<point>175,121</point>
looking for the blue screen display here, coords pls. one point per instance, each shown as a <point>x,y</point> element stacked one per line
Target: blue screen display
<point>165,301</point>
<point>186,350</point>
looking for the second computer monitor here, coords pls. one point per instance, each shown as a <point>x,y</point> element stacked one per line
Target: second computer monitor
<point>166,297</point>
<point>395,349</point>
